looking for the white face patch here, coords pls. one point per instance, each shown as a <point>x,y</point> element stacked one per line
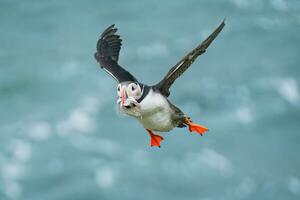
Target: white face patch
<point>132,89</point>
<point>129,93</point>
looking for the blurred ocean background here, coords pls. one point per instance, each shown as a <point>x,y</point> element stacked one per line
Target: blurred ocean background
<point>61,137</point>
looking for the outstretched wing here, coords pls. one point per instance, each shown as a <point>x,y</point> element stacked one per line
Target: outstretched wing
<point>164,85</point>
<point>108,48</point>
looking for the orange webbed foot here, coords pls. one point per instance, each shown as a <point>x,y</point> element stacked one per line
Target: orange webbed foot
<point>195,127</point>
<point>155,139</point>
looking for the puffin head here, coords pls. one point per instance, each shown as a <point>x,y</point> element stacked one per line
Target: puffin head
<point>129,93</point>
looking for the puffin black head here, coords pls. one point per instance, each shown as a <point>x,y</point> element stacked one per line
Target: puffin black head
<point>129,93</point>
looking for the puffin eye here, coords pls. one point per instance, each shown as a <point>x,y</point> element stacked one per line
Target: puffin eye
<point>133,90</point>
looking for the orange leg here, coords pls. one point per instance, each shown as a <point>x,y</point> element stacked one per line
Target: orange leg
<point>155,139</point>
<point>195,127</point>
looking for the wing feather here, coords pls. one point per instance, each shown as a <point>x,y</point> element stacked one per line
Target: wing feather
<point>108,49</point>
<point>164,85</point>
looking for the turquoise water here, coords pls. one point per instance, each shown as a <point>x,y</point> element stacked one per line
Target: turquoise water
<point>62,138</point>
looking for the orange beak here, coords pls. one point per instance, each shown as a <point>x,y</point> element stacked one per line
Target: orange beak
<point>123,97</point>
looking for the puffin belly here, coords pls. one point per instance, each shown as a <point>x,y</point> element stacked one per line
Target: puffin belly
<point>159,121</point>
<point>156,112</point>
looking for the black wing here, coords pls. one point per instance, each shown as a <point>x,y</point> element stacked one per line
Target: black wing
<point>108,48</point>
<point>164,85</point>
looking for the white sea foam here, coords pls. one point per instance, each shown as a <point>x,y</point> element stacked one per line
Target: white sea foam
<point>246,187</point>
<point>21,150</point>
<point>12,189</point>
<point>78,121</point>
<point>105,177</point>
<point>12,170</point>
<point>211,159</point>
<point>244,114</point>
<point>80,118</point>
<point>241,3</point>
<point>69,69</point>
<point>40,131</point>
<point>280,5</point>
<point>294,185</point>
<point>288,89</point>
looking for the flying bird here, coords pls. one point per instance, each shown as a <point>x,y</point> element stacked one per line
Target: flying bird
<point>149,104</point>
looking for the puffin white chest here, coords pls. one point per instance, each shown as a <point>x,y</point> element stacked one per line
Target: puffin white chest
<point>156,113</point>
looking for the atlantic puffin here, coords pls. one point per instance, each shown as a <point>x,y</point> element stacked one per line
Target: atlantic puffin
<point>149,104</point>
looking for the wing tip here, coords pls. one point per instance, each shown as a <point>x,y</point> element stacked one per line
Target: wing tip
<point>221,26</point>
<point>109,44</point>
<point>223,21</point>
<point>110,30</point>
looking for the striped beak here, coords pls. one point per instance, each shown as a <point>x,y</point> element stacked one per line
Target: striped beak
<point>123,96</point>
